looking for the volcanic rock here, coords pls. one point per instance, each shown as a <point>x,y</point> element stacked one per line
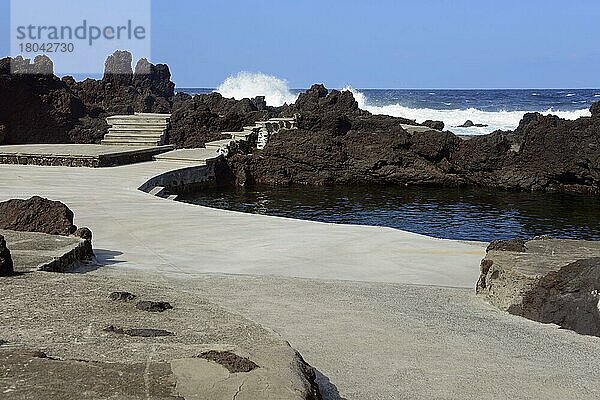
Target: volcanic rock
<point>231,361</point>
<point>140,332</point>
<point>551,281</point>
<point>122,296</point>
<point>83,233</point>
<point>6,263</point>
<point>200,119</point>
<point>37,214</point>
<point>437,125</point>
<point>516,245</point>
<point>595,110</point>
<point>117,68</point>
<point>153,306</point>
<point>469,124</point>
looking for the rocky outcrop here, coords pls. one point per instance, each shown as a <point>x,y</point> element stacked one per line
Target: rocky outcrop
<point>6,262</point>
<point>437,125</point>
<point>469,124</point>
<point>37,214</point>
<point>201,118</point>
<point>337,143</point>
<point>38,107</point>
<point>547,280</point>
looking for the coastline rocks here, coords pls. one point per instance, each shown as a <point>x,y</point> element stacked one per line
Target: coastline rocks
<point>516,245</point>
<point>200,119</point>
<point>469,124</point>
<point>117,68</point>
<point>437,125</point>
<point>6,263</point>
<point>551,281</point>
<point>595,110</point>
<point>337,143</point>
<point>37,214</point>
<point>38,107</point>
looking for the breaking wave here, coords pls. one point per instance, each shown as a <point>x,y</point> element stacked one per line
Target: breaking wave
<point>252,84</point>
<point>504,120</point>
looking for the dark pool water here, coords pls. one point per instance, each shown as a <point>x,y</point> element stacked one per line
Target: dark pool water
<point>467,214</point>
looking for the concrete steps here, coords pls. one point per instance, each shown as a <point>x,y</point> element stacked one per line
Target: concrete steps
<point>140,129</point>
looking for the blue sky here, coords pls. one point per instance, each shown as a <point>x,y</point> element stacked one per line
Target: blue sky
<point>377,44</point>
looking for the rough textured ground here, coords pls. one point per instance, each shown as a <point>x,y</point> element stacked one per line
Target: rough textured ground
<point>381,338</point>
<point>378,341</point>
<point>550,280</point>
<point>64,316</point>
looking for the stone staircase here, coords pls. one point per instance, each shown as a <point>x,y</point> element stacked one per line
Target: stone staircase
<point>264,129</point>
<point>139,129</point>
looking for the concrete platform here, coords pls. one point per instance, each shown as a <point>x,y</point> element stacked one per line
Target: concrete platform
<point>33,251</point>
<point>417,128</point>
<point>199,155</point>
<point>77,155</point>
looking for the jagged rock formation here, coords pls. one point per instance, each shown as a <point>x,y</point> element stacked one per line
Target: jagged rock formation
<point>201,119</point>
<point>337,143</point>
<point>37,214</point>
<point>547,280</point>
<point>38,107</point>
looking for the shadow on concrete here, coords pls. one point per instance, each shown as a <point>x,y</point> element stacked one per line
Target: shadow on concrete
<point>328,390</point>
<point>107,257</point>
<point>102,258</point>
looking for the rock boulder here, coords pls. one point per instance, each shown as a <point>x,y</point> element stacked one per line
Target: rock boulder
<point>37,214</point>
<point>549,280</point>
<point>437,125</point>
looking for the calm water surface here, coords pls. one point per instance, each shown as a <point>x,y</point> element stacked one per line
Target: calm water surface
<point>466,214</point>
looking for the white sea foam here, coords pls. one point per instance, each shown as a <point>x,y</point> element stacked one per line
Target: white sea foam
<point>252,84</point>
<point>505,120</point>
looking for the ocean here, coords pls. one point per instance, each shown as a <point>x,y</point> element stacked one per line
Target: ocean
<point>497,108</point>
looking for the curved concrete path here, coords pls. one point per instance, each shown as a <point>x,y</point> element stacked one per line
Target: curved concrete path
<point>153,232</point>
<point>382,314</point>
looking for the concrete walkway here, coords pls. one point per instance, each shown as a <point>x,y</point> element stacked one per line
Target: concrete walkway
<point>381,313</point>
<point>152,232</point>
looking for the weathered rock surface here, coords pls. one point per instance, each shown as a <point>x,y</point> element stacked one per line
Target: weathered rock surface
<point>550,281</point>
<point>229,360</point>
<point>200,119</point>
<point>469,124</point>
<point>516,245</point>
<point>37,214</point>
<point>38,107</point>
<point>163,366</point>
<point>153,306</point>
<point>437,125</point>
<point>83,233</point>
<point>122,296</point>
<point>34,251</point>
<point>140,332</point>
<point>337,143</point>
<point>6,262</point>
